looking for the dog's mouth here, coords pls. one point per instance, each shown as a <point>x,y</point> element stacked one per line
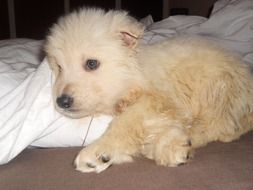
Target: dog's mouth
<point>72,113</point>
<point>73,110</point>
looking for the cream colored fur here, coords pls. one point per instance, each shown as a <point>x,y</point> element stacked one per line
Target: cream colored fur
<point>167,98</point>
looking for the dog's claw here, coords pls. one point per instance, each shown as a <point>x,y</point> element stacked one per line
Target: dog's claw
<point>105,158</point>
<point>90,165</point>
<point>181,164</point>
<point>88,162</point>
<point>97,158</point>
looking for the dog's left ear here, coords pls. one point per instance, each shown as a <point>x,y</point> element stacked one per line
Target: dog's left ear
<point>128,29</point>
<point>129,39</point>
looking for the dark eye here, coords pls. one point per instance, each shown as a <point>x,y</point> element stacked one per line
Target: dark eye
<point>91,64</point>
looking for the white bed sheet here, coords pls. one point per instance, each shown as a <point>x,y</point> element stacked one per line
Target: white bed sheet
<point>230,25</point>
<point>27,114</point>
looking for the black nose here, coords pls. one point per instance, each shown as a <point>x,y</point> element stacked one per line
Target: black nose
<point>64,101</point>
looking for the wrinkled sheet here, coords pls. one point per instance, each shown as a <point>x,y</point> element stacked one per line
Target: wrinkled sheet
<point>28,117</point>
<point>230,25</point>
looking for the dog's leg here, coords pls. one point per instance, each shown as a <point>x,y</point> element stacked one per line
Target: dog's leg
<point>173,148</point>
<point>122,140</point>
<point>133,133</point>
<point>168,142</point>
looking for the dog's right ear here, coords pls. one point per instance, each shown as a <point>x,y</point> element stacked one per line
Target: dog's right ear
<point>53,65</point>
<point>48,49</point>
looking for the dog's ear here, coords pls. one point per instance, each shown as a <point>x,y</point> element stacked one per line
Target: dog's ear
<point>129,40</point>
<point>132,33</point>
<point>53,66</point>
<point>127,28</point>
<point>49,51</point>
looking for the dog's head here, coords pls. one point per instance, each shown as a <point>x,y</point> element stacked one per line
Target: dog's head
<point>92,54</point>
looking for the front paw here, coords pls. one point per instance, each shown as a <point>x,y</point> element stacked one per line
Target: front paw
<point>173,150</point>
<point>97,158</point>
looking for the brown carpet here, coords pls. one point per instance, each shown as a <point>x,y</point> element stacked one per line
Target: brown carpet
<point>219,166</point>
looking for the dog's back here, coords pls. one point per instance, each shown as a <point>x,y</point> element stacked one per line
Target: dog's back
<point>203,79</point>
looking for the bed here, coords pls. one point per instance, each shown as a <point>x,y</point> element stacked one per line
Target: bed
<point>38,145</point>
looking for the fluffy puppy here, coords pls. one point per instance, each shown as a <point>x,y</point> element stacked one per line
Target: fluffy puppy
<point>167,98</point>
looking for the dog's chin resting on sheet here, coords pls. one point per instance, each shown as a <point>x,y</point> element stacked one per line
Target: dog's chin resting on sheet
<point>166,98</point>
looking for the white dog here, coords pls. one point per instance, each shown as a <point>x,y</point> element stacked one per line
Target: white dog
<point>167,98</point>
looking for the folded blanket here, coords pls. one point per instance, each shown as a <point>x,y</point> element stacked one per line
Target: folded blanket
<point>230,25</point>
<point>27,114</point>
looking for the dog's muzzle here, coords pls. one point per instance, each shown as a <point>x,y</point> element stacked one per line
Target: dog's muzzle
<point>65,101</point>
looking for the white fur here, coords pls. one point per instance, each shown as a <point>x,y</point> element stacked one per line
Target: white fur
<point>166,98</point>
